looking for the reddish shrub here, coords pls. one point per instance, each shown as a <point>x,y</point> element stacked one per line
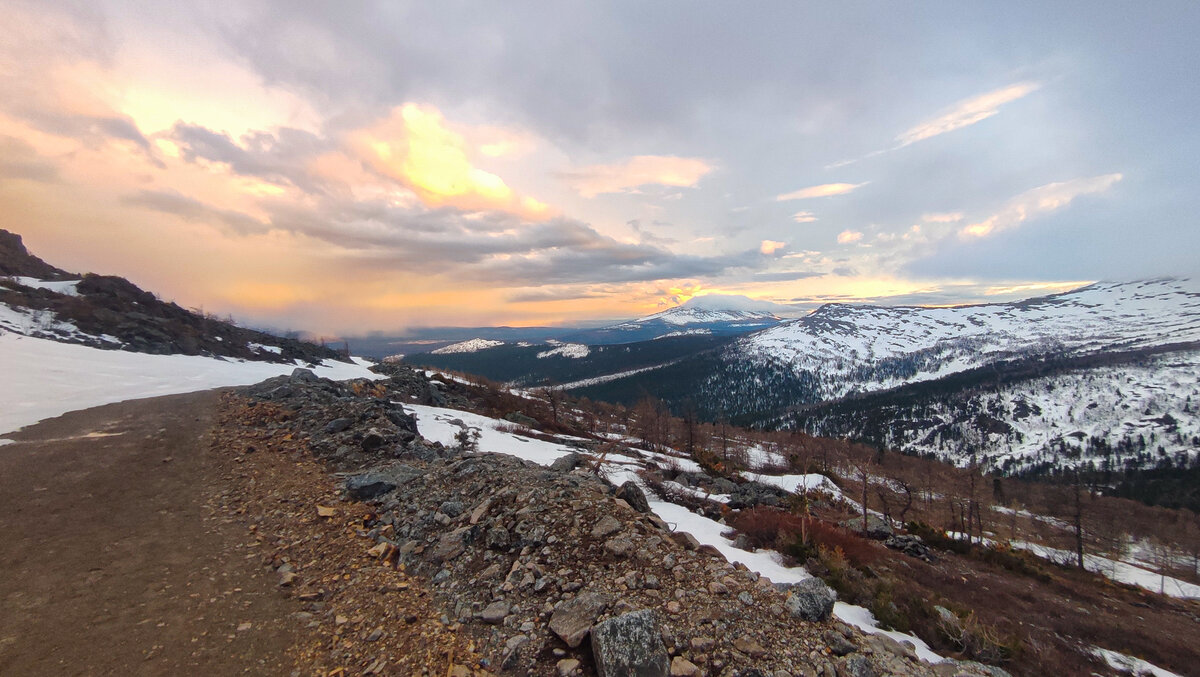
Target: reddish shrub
<point>800,537</point>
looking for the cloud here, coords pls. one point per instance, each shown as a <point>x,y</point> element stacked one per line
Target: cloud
<point>189,209</point>
<point>962,114</point>
<point>966,113</point>
<point>641,170</point>
<point>19,160</point>
<point>769,247</point>
<point>1037,201</point>
<point>785,275</point>
<point>942,217</point>
<point>848,236</point>
<point>803,217</point>
<point>823,190</point>
<point>415,147</point>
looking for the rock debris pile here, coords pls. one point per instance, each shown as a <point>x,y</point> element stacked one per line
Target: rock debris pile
<point>550,571</point>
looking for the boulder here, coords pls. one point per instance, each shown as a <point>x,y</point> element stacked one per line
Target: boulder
<point>375,483</point>
<point>630,645</point>
<point>632,494</point>
<point>372,440</point>
<point>877,527</point>
<point>573,619</point>
<point>811,600</point>
<point>855,666</point>
<point>337,425</point>
<point>368,485</point>
<point>565,463</point>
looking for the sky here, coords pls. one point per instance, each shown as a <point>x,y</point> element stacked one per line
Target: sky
<point>351,167</point>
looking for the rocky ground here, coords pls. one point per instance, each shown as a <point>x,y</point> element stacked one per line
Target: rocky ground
<point>530,564</point>
<point>304,527</point>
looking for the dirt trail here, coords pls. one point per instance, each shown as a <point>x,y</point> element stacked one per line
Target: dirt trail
<point>110,561</point>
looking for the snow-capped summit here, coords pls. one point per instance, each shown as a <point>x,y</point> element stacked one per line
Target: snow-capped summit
<point>716,308</point>
<point>839,341</point>
<point>717,314</point>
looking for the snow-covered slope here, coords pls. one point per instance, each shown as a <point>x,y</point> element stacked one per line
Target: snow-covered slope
<point>861,348</point>
<point>469,346</point>
<point>44,378</point>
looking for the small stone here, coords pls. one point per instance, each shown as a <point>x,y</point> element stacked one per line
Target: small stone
<point>567,666</point>
<point>244,626</point>
<point>606,526</point>
<point>326,511</point>
<point>703,644</point>
<point>375,635</point>
<point>674,607</point>
<point>682,667</point>
<point>718,588</point>
<point>619,546</point>
<point>378,550</point>
<point>495,613</point>
<point>749,647</point>
<point>746,598</point>
<point>287,578</point>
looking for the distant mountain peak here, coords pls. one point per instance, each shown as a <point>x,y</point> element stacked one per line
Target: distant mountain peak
<point>716,308</point>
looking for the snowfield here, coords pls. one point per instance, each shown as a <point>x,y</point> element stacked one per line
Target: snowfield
<point>842,342</point>
<point>43,378</point>
<point>469,346</point>
<point>570,350</point>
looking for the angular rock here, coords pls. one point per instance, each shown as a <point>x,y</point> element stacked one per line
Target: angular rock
<point>855,666</point>
<point>606,526</point>
<point>372,440</point>
<point>565,463</point>
<point>495,613</point>
<point>368,485</point>
<point>838,644</point>
<point>573,619</point>
<point>619,546</point>
<point>811,600</point>
<point>337,425</point>
<point>630,645</point>
<point>877,528</point>
<point>632,494</point>
<point>449,546</point>
<point>682,667</point>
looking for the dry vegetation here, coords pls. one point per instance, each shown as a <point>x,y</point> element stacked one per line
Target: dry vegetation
<point>997,604</point>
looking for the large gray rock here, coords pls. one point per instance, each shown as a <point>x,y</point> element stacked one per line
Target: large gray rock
<point>337,425</point>
<point>374,483</point>
<point>630,645</point>
<point>811,600</point>
<point>855,666</point>
<point>573,619</point>
<point>369,485</point>
<point>565,463</point>
<point>632,494</point>
<point>877,527</point>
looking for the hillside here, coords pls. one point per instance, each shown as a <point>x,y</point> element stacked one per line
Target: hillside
<point>862,348</point>
<point>1103,377</point>
<point>715,315</point>
<point>108,312</point>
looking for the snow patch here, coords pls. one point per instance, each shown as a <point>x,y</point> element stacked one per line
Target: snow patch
<point>570,350</point>
<point>469,346</point>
